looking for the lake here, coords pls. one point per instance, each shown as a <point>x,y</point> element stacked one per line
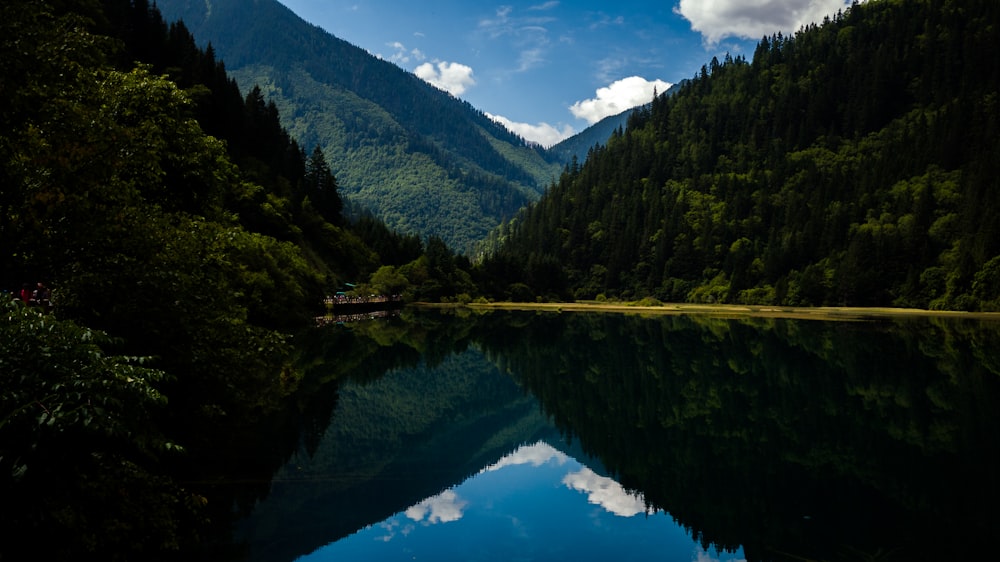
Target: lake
<point>442,435</point>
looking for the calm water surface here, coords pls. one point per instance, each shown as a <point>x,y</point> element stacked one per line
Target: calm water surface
<point>524,436</point>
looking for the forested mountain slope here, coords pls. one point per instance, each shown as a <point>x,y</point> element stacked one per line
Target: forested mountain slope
<point>420,159</point>
<point>852,163</point>
<point>181,236</point>
<point>579,144</point>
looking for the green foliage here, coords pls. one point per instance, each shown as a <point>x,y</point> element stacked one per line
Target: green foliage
<point>74,432</point>
<point>388,281</point>
<point>59,383</point>
<point>419,159</point>
<point>851,164</point>
<point>321,187</point>
<point>986,285</point>
<point>191,255</point>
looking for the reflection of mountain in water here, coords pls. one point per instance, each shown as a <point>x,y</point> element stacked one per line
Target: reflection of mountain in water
<point>796,440</point>
<point>792,439</point>
<point>537,503</point>
<point>600,490</point>
<point>392,443</point>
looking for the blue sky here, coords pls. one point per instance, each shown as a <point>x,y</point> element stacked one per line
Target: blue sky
<point>549,68</point>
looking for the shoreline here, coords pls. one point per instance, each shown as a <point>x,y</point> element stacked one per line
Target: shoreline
<point>727,310</point>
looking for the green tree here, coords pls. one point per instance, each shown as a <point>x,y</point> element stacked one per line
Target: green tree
<point>388,281</point>
<point>74,433</point>
<point>320,187</point>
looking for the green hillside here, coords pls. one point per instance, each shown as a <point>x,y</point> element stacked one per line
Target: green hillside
<point>168,237</point>
<point>854,163</point>
<point>418,158</point>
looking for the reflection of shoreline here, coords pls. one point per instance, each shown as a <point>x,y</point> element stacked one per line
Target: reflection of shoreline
<point>331,319</point>
<point>726,310</point>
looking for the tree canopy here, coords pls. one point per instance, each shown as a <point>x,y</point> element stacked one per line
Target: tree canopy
<point>184,236</point>
<point>852,164</point>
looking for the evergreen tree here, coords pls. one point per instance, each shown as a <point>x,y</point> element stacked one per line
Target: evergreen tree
<point>320,187</point>
<point>847,164</point>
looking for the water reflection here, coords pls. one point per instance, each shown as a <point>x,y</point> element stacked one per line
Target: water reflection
<point>530,505</point>
<point>517,435</point>
<point>605,492</point>
<point>793,439</point>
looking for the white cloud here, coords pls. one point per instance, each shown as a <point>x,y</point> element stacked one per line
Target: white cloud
<point>530,58</point>
<point>619,96</point>
<point>527,35</point>
<point>754,19</point>
<point>502,13</point>
<point>542,133</point>
<point>605,492</point>
<point>401,55</point>
<point>451,77</point>
<point>604,20</point>
<point>546,6</point>
<point>442,508</point>
<point>535,455</point>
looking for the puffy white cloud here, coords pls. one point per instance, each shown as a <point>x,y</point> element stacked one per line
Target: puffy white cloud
<point>542,133</point>
<point>605,492</point>
<point>536,454</point>
<point>451,77</point>
<point>442,508</point>
<point>619,96</point>
<point>753,19</point>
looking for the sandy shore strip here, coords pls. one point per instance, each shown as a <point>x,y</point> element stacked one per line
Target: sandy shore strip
<point>727,310</point>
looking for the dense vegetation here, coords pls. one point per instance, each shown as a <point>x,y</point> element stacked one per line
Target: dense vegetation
<point>423,161</point>
<point>853,163</point>
<point>184,235</point>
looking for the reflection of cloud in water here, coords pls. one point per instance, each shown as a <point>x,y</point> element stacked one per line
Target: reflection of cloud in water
<point>605,492</point>
<point>391,528</point>
<point>535,455</point>
<point>442,508</point>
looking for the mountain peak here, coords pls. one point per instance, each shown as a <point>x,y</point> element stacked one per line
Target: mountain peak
<point>417,157</point>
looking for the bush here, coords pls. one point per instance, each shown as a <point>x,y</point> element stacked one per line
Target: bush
<point>76,431</point>
<point>519,292</point>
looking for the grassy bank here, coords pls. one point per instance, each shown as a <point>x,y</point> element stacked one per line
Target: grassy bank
<point>724,310</point>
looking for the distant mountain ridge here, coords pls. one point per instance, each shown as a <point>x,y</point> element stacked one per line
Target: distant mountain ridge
<point>420,159</point>
<point>598,134</point>
<point>579,144</point>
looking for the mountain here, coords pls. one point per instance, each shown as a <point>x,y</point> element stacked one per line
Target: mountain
<point>420,159</point>
<point>853,163</point>
<point>471,415</point>
<point>578,145</point>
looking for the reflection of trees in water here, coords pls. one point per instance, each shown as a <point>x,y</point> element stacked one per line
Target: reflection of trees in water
<point>409,425</point>
<point>791,438</point>
<point>808,438</point>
